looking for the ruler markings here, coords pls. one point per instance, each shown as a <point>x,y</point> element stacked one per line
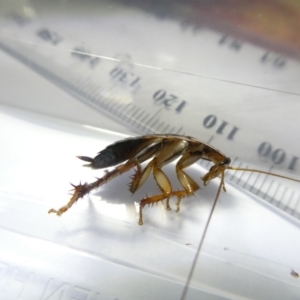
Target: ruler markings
<point>261,185</point>
<point>287,206</point>
<point>280,201</point>
<point>275,193</point>
<point>166,128</point>
<point>267,191</point>
<point>157,129</point>
<point>137,119</point>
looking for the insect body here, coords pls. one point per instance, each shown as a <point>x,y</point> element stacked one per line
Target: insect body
<point>161,150</point>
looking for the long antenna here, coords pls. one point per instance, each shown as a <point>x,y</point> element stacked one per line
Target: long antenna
<point>189,278</point>
<point>263,172</point>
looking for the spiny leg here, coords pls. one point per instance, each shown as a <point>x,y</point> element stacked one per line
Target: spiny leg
<point>180,195</point>
<point>164,185</point>
<point>189,185</point>
<point>83,189</point>
<point>168,207</point>
<point>165,155</point>
<point>216,171</point>
<point>137,174</point>
<point>178,204</point>
<point>149,200</point>
<point>140,176</point>
<point>157,198</point>
<point>187,182</point>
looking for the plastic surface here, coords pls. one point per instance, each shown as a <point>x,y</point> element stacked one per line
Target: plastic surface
<point>97,250</point>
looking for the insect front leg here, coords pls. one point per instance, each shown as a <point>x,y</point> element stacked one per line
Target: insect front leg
<point>215,171</point>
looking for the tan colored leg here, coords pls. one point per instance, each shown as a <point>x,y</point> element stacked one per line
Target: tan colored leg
<point>140,176</point>
<point>83,189</point>
<point>189,185</point>
<point>157,198</point>
<point>178,203</point>
<point>180,195</point>
<point>149,200</point>
<point>168,207</point>
<point>165,186</point>
<point>187,182</point>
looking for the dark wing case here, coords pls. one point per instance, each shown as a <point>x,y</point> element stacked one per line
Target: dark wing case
<point>119,152</point>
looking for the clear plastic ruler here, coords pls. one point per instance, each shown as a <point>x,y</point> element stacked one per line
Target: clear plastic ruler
<point>161,75</point>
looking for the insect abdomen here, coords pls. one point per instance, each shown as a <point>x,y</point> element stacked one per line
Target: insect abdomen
<point>117,153</point>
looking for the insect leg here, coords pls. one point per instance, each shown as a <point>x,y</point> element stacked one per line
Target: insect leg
<point>140,176</point>
<point>168,153</point>
<point>188,183</point>
<point>83,189</point>
<point>178,203</point>
<point>164,185</point>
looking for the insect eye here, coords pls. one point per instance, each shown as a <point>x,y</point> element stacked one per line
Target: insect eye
<point>226,161</point>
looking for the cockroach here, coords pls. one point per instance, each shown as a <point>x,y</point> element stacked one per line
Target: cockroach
<point>161,149</point>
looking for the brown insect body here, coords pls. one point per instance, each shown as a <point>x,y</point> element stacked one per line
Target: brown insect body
<point>137,147</point>
<point>161,150</point>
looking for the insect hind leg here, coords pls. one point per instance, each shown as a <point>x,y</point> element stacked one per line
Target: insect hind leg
<point>83,189</point>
